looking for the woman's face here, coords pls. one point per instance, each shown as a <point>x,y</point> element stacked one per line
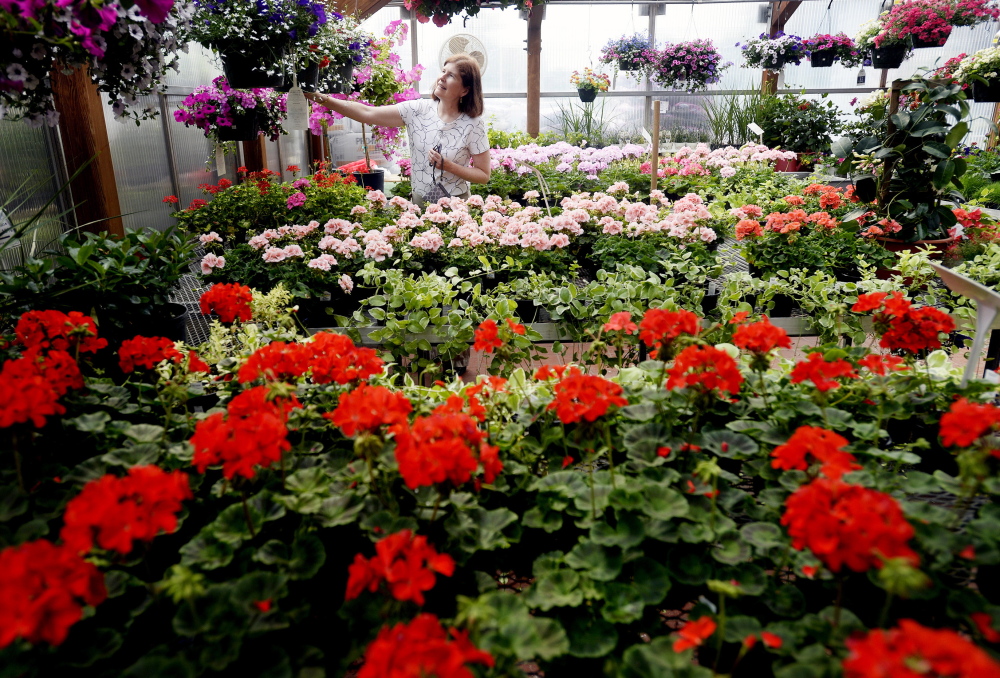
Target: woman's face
<point>448,86</point>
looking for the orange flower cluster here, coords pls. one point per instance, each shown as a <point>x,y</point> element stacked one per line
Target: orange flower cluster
<point>659,327</point>
<point>694,633</point>
<point>822,373</point>
<point>405,562</point>
<point>367,408</point>
<point>116,511</point>
<point>882,365</point>
<point>822,445</point>
<point>229,301</point>
<point>848,525</point>
<point>444,447</point>
<point>789,222</point>
<point>620,322</point>
<point>252,433</point>
<point>903,327</point>
<point>914,651</point>
<point>584,396</point>
<point>327,357</point>
<point>43,588</point>
<point>707,368</point>
<point>487,335</point>
<point>748,227</point>
<point>761,337</point>
<point>420,649</point>
<point>964,423</point>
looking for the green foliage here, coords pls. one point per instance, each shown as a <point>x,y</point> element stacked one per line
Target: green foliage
<point>797,124</point>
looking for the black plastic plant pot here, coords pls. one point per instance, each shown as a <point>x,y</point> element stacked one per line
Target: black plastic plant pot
<point>308,78</point>
<point>246,127</point>
<point>775,65</point>
<point>345,74</point>
<point>888,57</point>
<point>923,44</point>
<point>627,65</point>
<point>986,91</point>
<point>822,58</point>
<point>371,180</point>
<point>586,94</point>
<point>249,69</point>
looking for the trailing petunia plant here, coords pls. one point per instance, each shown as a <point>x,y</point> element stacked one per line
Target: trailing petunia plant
<point>772,53</point>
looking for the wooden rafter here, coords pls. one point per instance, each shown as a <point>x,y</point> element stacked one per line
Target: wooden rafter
<point>360,8</point>
<point>781,12</point>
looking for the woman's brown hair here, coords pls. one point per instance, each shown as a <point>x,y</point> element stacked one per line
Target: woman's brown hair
<point>472,103</point>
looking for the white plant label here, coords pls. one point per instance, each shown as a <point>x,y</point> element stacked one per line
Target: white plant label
<point>220,161</point>
<point>297,109</point>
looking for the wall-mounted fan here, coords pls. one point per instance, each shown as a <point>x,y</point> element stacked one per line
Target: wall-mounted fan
<point>464,43</point>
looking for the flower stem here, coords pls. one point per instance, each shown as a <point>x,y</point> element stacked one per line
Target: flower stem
<point>246,515</point>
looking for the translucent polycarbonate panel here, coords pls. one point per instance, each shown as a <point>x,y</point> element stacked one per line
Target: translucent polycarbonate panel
<point>199,66</point>
<point>294,152</point>
<point>142,168</point>
<point>28,180</point>
<point>194,157</point>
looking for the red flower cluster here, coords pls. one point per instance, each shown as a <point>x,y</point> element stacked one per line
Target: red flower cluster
<point>229,301</point>
<point>761,337</point>
<point>405,562</point>
<point>848,525</point>
<point>441,447</point>
<point>252,433</point>
<point>487,337</point>
<point>694,633</point>
<point>903,327</point>
<point>368,407</point>
<point>822,373</point>
<point>43,588</point>
<point>115,511</point>
<point>421,649</point>
<point>822,445</point>
<point>964,423</point>
<point>914,651</point>
<point>882,365</point>
<point>329,357</point>
<point>659,327</point>
<point>30,386</point>
<point>60,331</point>
<point>706,367</point>
<point>146,352</point>
<point>620,322</point>
<point>584,396</point>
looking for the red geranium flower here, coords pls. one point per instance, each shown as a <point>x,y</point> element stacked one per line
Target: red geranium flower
<point>583,396</point>
<point>421,649</point>
<point>659,327</point>
<point>847,525</point>
<point>146,352</point>
<point>366,408</point>
<point>171,199</point>
<point>252,433</point>
<point>487,337</point>
<point>869,302</point>
<point>115,511</point>
<point>911,650</point>
<point>546,372</point>
<point>30,386</point>
<point>335,358</point>
<point>822,445</point>
<point>277,361</point>
<point>822,373</point>
<point>441,447</point>
<point>903,327</point>
<point>761,337</point>
<point>516,328</point>
<point>882,365</point>
<point>621,322</point>
<point>44,588</point>
<point>58,330</point>
<point>405,562</point>
<point>694,633</point>
<point>964,423</point>
<point>229,301</point>
<point>706,367</point>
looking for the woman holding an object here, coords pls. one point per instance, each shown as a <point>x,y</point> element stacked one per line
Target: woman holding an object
<point>448,130</point>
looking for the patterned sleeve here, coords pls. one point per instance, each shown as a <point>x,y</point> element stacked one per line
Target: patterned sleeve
<point>409,110</point>
<point>479,141</point>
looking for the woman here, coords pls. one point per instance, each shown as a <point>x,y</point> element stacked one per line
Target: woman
<point>448,129</point>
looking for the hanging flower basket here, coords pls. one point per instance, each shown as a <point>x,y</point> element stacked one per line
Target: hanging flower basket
<point>308,79</point>
<point>627,65</point>
<point>939,41</point>
<point>345,74</point>
<point>772,54</point>
<point>588,84</point>
<point>246,127</point>
<point>587,94</point>
<point>823,58</point>
<point>246,69</point>
<point>889,57</point>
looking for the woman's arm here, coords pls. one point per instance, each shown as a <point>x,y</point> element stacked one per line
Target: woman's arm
<point>479,173</point>
<point>383,116</point>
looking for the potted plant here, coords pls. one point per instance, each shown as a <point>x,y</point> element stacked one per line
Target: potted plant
<point>887,50</point>
<point>252,36</point>
<point>824,49</point>
<point>980,70</point>
<point>127,54</point>
<point>227,114</point>
<point>340,48</point>
<point>801,125</point>
<point>627,53</point>
<point>772,54</point>
<point>926,22</point>
<point>442,11</point>
<point>691,66</point>
<point>909,168</point>
<point>589,83</point>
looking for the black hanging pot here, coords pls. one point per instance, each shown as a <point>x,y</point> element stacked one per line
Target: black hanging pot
<point>986,91</point>
<point>308,78</point>
<point>919,43</point>
<point>371,180</point>
<point>774,65</point>
<point>345,76</point>
<point>587,94</point>
<point>249,68</point>
<point>889,57</point>
<point>822,58</point>
<point>627,65</point>
<point>246,127</point>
